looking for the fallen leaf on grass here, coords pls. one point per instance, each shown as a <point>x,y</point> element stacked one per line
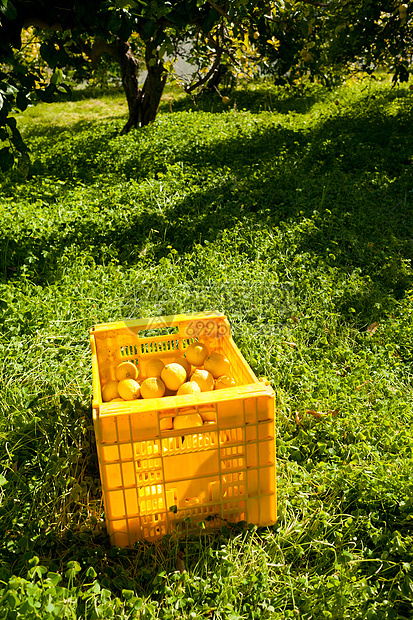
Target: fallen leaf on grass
<point>319,415</point>
<point>343,372</point>
<point>373,327</point>
<point>316,414</point>
<point>291,344</point>
<point>358,387</point>
<point>322,414</point>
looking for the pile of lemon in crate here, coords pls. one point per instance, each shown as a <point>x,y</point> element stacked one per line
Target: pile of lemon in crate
<point>198,371</point>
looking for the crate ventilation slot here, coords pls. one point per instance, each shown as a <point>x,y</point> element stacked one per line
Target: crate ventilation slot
<point>148,348</point>
<point>129,350</point>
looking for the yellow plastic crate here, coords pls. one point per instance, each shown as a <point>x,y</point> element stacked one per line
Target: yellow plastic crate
<point>222,470</point>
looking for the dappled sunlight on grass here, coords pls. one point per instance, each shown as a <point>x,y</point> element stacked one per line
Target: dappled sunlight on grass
<point>46,119</point>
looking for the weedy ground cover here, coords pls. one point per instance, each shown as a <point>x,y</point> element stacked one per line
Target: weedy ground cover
<point>290,212</point>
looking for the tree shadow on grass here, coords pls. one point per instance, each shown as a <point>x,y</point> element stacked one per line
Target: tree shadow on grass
<point>261,99</point>
<point>349,173</point>
<point>61,131</point>
<point>271,98</point>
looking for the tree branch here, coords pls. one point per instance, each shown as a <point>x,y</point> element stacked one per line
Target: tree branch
<point>218,9</point>
<point>219,49</point>
<point>208,75</point>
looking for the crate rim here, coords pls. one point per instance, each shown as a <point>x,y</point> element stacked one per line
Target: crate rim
<point>156,322</point>
<point>191,401</point>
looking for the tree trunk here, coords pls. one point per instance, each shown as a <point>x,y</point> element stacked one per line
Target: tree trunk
<point>143,103</point>
<point>154,84</point>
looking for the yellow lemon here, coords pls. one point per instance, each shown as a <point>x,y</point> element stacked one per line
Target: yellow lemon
<point>110,391</point>
<point>166,424</point>
<point>129,389</point>
<point>173,375</point>
<point>207,415</point>
<point>154,367</point>
<point>190,387</point>
<point>184,362</point>
<point>152,387</point>
<point>196,353</point>
<point>217,364</point>
<point>187,421</point>
<point>126,370</point>
<point>204,379</point>
<point>224,382</point>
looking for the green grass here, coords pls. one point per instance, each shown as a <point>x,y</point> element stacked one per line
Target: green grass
<point>292,213</point>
